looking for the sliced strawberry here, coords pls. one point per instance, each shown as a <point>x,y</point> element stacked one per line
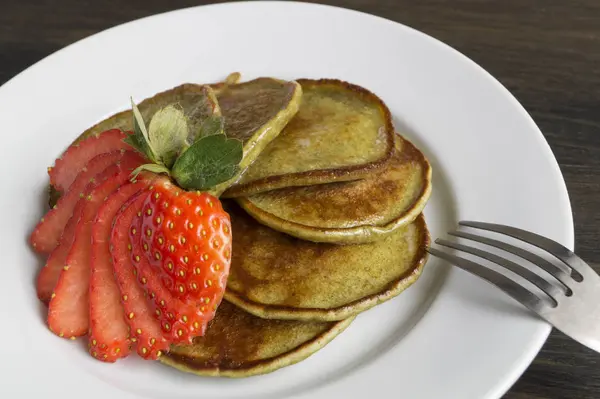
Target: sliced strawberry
<point>78,155</point>
<point>50,273</point>
<point>185,238</point>
<point>46,235</point>
<point>150,342</point>
<point>68,314</point>
<point>109,332</point>
<point>180,322</point>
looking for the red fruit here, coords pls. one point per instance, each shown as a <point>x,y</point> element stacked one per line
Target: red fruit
<point>50,273</point>
<point>46,235</point>
<point>109,332</point>
<point>68,314</point>
<point>186,239</point>
<point>180,322</point>
<point>78,155</point>
<point>150,342</point>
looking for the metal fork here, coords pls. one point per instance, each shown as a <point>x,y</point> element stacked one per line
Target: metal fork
<point>572,300</point>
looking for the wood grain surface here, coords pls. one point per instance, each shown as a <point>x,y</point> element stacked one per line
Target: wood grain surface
<point>546,52</point>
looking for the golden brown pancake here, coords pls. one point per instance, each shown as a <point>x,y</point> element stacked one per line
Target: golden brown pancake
<point>350,212</point>
<point>238,344</point>
<point>276,276</point>
<point>341,132</point>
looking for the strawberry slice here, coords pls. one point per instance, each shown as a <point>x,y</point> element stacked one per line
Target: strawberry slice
<point>68,313</point>
<point>180,322</point>
<point>78,155</point>
<point>109,332</point>
<point>139,313</point>
<point>46,235</point>
<point>185,239</point>
<point>50,273</point>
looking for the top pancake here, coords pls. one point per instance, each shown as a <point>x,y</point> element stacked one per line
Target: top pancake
<point>341,132</point>
<point>255,112</point>
<point>350,212</point>
<point>197,102</point>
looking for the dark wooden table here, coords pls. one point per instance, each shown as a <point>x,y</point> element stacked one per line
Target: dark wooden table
<point>547,52</point>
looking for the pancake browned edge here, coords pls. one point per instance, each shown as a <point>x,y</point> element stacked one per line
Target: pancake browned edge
<point>338,198</point>
<point>277,276</point>
<point>322,175</point>
<point>237,344</point>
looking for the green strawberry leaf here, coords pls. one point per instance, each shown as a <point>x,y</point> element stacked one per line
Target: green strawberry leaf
<point>150,167</point>
<point>138,120</point>
<point>168,131</point>
<point>208,162</point>
<point>214,124</point>
<point>139,138</point>
<point>137,144</point>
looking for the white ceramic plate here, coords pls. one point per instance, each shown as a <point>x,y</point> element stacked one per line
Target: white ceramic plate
<point>448,336</point>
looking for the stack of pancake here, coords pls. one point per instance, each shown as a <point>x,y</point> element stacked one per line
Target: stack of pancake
<point>326,218</point>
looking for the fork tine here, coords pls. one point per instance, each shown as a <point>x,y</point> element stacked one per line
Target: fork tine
<point>549,267</point>
<point>511,287</point>
<point>551,290</point>
<point>582,270</point>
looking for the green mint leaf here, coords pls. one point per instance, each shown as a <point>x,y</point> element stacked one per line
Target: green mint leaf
<point>139,139</point>
<point>214,124</point>
<point>150,167</point>
<point>208,162</point>
<point>168,131</point>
